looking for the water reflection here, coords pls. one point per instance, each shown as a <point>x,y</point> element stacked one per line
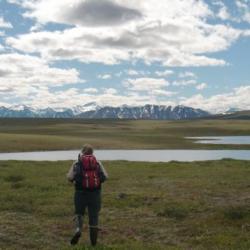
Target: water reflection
<point>232,140</point>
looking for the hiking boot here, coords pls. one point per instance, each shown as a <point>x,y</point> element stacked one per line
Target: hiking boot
<point>75,238</point>
<point>93,233</point>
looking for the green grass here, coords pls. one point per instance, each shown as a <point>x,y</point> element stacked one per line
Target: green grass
<point>59,134</point>
<point>199,205</point>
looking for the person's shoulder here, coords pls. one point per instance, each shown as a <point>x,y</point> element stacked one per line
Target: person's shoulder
<point>99,162</point>
<point>75,164</point>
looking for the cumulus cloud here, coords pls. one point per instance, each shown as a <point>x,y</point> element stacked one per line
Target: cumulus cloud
<point>189,82</point>
<point>119,74</point>
<point>244,8</point>
<point>173,32</point>
<point>201,86</point>
<point>100,13</point>
<point>132,72</point>
<point>238,98</point>
<point>4,24</point>
<point>73,97</point>
<point>80,12</point>
<point>223,12</point>
<point>24,73</point>
<point>146,84</point>
<point>110,91</point>
<point>2,47</point>
<point>184,82</point>
<point>160,92</point>
<point>104,76</point>
<point>164,73</point>
<point>187,74</point>
<point>90,90</point>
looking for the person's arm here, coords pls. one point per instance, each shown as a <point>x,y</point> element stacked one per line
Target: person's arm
<point>103,172</point>
<point>71,173</point>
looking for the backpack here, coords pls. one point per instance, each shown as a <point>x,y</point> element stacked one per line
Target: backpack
<point>90,172</point>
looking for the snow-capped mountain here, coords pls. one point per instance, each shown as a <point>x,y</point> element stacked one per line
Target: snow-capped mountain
<point>84,108</point>
<point>232,110</point>
<point>93,111</point>
<point>155,112</point>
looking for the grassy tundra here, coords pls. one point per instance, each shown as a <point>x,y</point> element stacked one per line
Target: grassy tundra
<point>199,205</point>
<point>58,134</point>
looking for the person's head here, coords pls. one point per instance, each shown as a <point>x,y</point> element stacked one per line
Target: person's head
<point>87,149</point>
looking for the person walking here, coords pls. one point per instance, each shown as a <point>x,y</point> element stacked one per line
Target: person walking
<point>87,174</point>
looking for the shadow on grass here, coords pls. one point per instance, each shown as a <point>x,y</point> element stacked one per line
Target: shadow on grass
<point>14,178</point>
<point>174,212</point>
<point>237,213</point>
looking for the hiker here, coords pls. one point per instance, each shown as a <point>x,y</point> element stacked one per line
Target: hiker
<point>87,174</point>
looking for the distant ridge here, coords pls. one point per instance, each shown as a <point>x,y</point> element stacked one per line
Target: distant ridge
<point>93,111</point>
<point>240,115</point>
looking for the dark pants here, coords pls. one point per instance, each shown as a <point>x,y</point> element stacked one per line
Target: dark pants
<point>91,201</point>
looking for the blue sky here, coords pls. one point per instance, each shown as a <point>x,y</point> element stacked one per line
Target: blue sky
<point>113,52</point>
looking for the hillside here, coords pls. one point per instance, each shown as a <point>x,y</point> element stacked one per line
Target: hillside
<point>239,115</point>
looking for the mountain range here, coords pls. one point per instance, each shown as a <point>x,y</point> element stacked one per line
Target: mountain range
<point>93,111</point>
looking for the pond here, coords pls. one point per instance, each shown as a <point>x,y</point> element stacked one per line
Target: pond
<point>133,155</point>
<point>230,140</point>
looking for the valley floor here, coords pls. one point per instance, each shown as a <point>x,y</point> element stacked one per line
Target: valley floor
<point>61,134</point>
<point>198,205</point>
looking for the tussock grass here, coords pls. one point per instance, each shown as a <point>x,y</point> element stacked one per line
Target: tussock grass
<point>195,205</point>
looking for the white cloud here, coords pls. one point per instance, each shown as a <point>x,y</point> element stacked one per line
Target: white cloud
<point>84,13</point>
<point>132,72</point>
<point>36,27</point>
<point>90,90</point>
<point>247,17</point>
<point>110,91</point>
<point>201,86</point>
<point>173,32</point>
<point>119,74</point>
<point>244,8</point>
<point>241,4</point>
<point>105,76</point>
<point>73,97</point>
<point>1,47</point>
<point>184,82</point>
<point>4,104</point>
<point>238,98</point>
<point>160,92</point>
<point>4,24</point>
<point>189,82</point>
<point>223,12</point>
<point>164,73</point>
<point>24,73</point>
<point>187,74</point>
<point>146,84</point>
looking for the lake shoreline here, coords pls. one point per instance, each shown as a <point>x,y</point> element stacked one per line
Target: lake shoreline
<point>133,155</point>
